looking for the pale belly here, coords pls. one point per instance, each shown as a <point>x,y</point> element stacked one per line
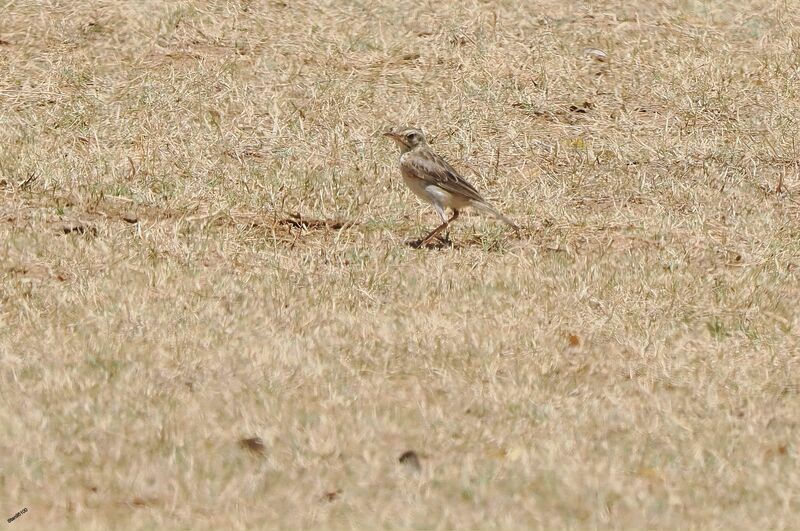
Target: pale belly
<point>419,187</point>
<point>430,193</point>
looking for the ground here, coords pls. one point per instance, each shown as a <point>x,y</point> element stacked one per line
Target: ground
<point>210,317</point>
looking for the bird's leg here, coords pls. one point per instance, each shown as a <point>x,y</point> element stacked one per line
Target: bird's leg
<point>426,240</point>
<point>449,221</point>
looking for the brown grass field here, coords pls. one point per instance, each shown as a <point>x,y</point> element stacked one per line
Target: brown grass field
<point>629,361</point>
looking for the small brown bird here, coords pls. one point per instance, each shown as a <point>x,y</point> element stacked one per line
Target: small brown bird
<point>434,181</point>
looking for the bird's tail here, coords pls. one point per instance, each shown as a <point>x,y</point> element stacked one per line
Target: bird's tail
<point>486,207</point>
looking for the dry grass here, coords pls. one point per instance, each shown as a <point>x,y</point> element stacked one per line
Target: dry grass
<point>177,351</point>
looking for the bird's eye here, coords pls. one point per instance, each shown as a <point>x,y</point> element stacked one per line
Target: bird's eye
<point>412,136</point>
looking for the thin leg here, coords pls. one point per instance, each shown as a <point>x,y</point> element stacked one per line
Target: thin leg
<point>433,233</point>
<point>447,230</point>
<point>439,229</point>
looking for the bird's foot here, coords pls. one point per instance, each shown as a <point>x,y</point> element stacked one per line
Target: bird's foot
<point>435,242</point>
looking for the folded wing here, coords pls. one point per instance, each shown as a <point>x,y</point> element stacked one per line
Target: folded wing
<point>429,166</point>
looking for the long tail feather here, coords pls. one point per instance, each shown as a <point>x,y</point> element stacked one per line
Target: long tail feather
<point>486,207</point>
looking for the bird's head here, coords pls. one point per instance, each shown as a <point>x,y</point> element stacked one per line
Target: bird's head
<point>407,138</point>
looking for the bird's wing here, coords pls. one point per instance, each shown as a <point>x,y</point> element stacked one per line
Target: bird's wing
<point>430,167</point>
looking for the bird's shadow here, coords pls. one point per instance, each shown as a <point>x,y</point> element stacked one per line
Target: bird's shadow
<point>436,243</point>
<point>475,240</point>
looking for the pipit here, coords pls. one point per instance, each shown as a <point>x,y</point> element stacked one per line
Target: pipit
<point>434,181</point>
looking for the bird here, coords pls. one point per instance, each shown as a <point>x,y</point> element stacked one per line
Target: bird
<point>434,181</point>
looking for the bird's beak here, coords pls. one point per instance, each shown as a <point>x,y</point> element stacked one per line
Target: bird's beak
<point>390,134</point>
